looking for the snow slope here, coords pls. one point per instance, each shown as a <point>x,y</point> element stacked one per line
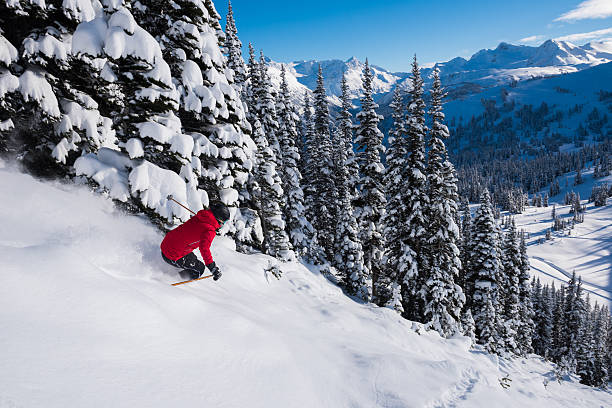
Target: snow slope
<point>88,318</point>
<point>587,249</point>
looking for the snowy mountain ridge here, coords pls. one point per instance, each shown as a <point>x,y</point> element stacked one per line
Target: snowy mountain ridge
<point>302,77</point>
<point>505,64</point>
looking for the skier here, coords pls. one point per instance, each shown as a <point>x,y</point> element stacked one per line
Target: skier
<point>178,244</point>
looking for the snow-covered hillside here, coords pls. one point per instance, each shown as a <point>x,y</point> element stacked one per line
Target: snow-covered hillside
<point>576,106</point>
<point>587,249</point>
<point>88,318</point>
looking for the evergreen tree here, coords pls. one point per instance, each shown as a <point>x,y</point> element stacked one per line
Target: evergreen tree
<point>558,343</point>
<point>574,311</point>
<point>268,195</point>
<point>585,348</point>
<point>542,337</point>
<point>370,206</point>
<point>322,197</point>
<point>345,127</point>
<point>468,325</point>
<point>609,346</point>
<point>416,199</point>
<point>464,251</point>
<point>305,135</point>
<point>348,251</point>
<point>510,291</point>
<point>398,254</point>
<point>265,108</point>
<point>300,231</point>
<point>600,338</point>
<point>443,298</point>
<point>210,110</point>
<point>141,97</point>
<point>347,246</point>
<point>485,265</point>
<point>526,325</point>
<point>233,50</point>
<point>250,93</point>
<point>266,185</point>
<point>49,113</point>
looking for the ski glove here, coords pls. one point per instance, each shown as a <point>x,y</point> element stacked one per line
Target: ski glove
<point>214,270</point>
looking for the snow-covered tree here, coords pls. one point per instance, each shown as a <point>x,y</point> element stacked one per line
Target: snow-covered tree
<point>233,50</point>
<point>142,100</point>
<point>543,316</point>
<point>268,195</point>
<point>370,206</point>
<point>416,198</point>
<point>526,309</point>
<point>300,231</point>
<point>346,127</point>
<point>11,100</point>
<point>574,311</point>
<point>210,109</point>
<point>398,255</point>
<point>585,348</point>
<point>322,197</point>
<point>443,298</point>
<point>468,326</point>
<point>466,238</point>
<point>48,114</point>
<point>558,330</point>
<point>600,338</point>
<point>266,185</point>
<point>510,290</point>
<point>349,259</point>
<point>485,266</point>
<point>265,108</point>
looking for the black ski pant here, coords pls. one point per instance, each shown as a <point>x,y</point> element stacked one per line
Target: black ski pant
<point>189,262</point>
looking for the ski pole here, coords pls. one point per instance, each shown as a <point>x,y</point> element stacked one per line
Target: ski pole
<point>171,198</point>
<point>191,280</point>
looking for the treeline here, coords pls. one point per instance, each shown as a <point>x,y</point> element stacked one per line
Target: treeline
<point>506,175</point>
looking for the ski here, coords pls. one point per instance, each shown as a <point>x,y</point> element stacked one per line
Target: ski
<point>191,280</point>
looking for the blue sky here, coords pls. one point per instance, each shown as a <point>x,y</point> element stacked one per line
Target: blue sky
<point>389,32</point>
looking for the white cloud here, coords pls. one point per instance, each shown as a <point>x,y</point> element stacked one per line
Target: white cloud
<point>532,39</point>
<point>593,35</point>
<point>588,9</point>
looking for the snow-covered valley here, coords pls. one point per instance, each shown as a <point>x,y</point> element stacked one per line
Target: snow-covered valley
<point>88,318</point>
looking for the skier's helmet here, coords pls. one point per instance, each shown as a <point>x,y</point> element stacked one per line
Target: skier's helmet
<point>220,211</point>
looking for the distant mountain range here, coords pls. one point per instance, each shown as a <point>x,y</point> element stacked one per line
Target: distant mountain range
<point>506,64</point>
<point>495,98</point>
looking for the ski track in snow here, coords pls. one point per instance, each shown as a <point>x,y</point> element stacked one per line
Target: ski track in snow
<point>568,275</point>
<point>459,392</point>
<point>88,318</point>
<point>587,250</point>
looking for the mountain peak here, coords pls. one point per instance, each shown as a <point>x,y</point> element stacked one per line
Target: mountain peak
<point>353,61</point>
<point>504,46</point>
<point>557,44</point>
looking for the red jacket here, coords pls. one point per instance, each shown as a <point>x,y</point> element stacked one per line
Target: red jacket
<point>199,231</point>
